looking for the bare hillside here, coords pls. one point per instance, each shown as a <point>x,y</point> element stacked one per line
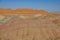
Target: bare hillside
<point>28,24</point>
<point>43,27</point>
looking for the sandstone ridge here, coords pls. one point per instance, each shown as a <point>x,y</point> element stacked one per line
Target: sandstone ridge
<point>19,11</point>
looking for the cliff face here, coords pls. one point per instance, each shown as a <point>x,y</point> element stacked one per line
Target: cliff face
<point>22,11</point>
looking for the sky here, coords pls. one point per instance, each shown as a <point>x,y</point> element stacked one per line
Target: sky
<point>48,5</point>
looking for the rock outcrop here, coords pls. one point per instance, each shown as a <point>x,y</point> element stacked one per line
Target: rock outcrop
<point>22,11</point>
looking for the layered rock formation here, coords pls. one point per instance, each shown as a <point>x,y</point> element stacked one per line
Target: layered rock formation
<point>26,24</point>
<point>22,11</point>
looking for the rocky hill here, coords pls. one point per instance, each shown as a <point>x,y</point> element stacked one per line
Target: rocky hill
<point>23,26</point>
<point>21,11</point>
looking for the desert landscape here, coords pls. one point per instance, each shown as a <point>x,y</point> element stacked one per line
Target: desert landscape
<point>29,24</point>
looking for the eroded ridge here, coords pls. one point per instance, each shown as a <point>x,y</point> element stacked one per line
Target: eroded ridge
<point>34,27</point>
<point>55,19</point>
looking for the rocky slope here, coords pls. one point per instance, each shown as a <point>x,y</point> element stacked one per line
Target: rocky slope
<point>34,27</point>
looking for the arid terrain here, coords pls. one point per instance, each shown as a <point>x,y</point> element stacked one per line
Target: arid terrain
<point>29,24</point>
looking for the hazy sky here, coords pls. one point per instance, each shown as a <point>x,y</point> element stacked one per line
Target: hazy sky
<point>49,5</point>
